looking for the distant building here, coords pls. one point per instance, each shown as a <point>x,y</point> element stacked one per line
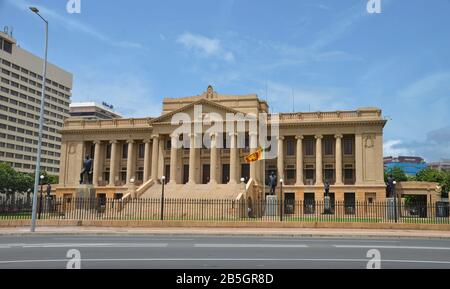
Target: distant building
<point>409,164</point>
<point>91,110</point>
<point>21,84</point>
<point>442,165</point>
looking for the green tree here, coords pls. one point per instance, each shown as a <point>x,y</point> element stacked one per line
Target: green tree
<point>436,176</point>
<point>12,182</point>
<point>397,173</point>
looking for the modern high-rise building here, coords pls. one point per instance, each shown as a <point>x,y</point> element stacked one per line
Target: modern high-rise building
<point>92,110</point>
<point>410,165</point>
<point>20,94</point>
<point>443,165</point>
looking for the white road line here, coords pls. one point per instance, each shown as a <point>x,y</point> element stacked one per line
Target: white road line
<point>390,247</point>
<point>249,246</point>
<point>86,245</point>
<point>225,260</point>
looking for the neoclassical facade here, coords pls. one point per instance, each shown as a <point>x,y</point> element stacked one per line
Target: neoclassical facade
<point>343,148</point>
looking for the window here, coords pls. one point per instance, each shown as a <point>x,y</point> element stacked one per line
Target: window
<point>349,203</point>
<point>125,151</point>
<point>328,147</point>
<point>309,203</point>
<point>348,174</point>
<point>290,147</point>
<point>329,174</point>
<point>141,151</point>
<point>309,174</point>
<point>309,147</point>
<point>7,46</point>
<point>348,146</point>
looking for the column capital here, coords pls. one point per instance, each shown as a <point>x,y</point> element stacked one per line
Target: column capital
<point>155,136</point>
<point>232,134</point>
<point>319,136</point>
<point>130,141</point>
<point>97,142</point>
<point>338,136</point>
<point>113,141</point>
<point>253,133</point>
<point>147,141</point>
<point>299,137</point>
<point>280,138</point>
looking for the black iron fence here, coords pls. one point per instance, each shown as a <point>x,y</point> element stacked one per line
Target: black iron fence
<point>226,210</point>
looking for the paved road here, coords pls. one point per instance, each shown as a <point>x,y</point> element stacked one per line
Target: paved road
<point>219,252</point>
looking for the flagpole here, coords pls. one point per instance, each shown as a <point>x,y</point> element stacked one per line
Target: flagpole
<point>264,174</point>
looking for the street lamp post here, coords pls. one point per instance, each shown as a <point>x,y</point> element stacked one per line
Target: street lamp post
<point>281,200</point>
<point>163,180</point>
<point>40,197</point>
<point>41,123</point>
<point>395,201</point>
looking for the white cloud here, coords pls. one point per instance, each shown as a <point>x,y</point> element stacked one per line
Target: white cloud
<point>395,148</point>
<point>73,25</point>
<point>131,95</point>
<point>204,46</point>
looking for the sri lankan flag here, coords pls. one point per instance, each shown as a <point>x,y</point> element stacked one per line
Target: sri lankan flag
<point>256,156</point>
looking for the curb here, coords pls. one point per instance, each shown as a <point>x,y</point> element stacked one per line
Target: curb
<point>229,234</point>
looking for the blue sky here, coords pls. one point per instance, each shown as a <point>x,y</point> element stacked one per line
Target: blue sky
<point>329,54</point>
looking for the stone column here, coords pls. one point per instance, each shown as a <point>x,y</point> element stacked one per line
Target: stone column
<point>339,159</point>
<point>359,159</point>
<point>280,159</point>
<point>173,160</point>
<point>319,163</point>
<point>97,169</point>
<point>233,159</point>
<point>253,148</point>
<point>299,181</point>
<point>131,161</point>
<point>113,164</point>
<point>192,158</point>
<point>155,147</point>
<point>213,162</point>
<point>147,152</point>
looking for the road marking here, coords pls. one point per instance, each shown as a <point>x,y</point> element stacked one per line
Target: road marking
<point>250,246</point>
<point>224,260</point>
<point>86,245</point>
<point>390,247</point>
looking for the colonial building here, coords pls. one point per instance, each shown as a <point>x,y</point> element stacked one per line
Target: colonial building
<point>343,148</point>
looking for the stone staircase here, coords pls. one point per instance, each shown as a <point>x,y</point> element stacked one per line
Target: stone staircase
<point>195,191</point>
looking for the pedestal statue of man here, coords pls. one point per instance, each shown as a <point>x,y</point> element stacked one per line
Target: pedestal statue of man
<point>87,169</point>
<point>272,183</point>
<point>390,186</point>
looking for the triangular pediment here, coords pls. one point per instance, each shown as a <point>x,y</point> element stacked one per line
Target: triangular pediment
<point>207,106</point>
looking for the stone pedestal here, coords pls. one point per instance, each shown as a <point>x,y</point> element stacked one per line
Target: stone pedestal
<point>390,208</point>
<point>327,205</point>
<point>272,206</point>
<point>85,197</point>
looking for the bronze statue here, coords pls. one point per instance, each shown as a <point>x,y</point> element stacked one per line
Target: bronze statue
<point>87,170</point>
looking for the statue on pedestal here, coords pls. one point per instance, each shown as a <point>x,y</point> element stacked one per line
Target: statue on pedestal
<point>86,172</point>
<point>272,183</point>
<point>390,186</point>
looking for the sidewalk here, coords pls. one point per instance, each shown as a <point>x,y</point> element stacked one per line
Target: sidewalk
<point>272,232</point>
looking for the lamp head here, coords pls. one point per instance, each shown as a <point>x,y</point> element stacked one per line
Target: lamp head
<point>242,180</point>
<point>34,9</point>
<point>281,181</point>
<point>163,178</point>
<point>42,177</point>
